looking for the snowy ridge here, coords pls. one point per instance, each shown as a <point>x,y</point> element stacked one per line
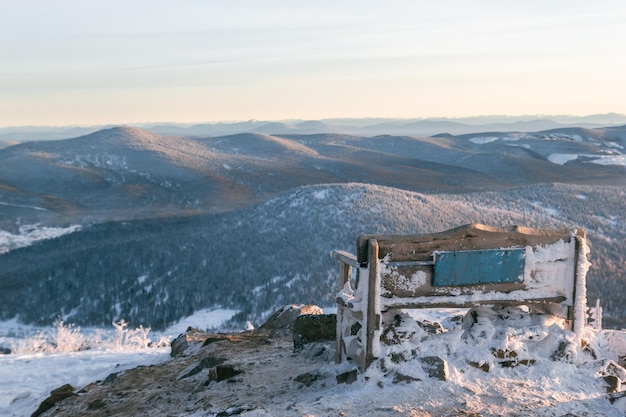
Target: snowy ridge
<point>591,148</point>
<point>29,234</point>
<point>127,173</point>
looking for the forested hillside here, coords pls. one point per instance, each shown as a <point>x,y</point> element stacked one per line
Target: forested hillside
<point>153,272</point>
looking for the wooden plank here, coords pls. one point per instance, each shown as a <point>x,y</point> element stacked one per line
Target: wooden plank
<point>405,283</point>
<point>463,302</point>
<point>420,247</point>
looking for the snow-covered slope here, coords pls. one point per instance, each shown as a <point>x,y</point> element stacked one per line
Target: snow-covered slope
<point>561,146</point>
<point>29,234</point>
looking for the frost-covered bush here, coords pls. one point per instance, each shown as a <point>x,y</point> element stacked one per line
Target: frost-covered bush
<point>67,338</point>
<point>129,338</point>
<point>60,338</point>
<point>64,337</point>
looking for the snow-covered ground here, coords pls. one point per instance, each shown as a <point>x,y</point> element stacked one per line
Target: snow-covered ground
<point>610,151</point>
<point>27,379</point>
<point>571,385</point>
<point>46,358</point>
<point>205,320</point>
<point>546,376</point>
<point>563,158</point>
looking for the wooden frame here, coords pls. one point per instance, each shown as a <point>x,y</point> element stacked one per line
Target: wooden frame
<point>397,271</point>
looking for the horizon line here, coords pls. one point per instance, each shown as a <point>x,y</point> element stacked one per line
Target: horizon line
<point>538,116</point>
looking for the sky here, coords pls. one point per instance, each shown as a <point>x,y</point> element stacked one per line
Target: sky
<point>79,62</point>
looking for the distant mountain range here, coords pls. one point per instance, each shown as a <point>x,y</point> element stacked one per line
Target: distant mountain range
<point>127,173</point>
<point>358,127</point>
<point>158,226</point>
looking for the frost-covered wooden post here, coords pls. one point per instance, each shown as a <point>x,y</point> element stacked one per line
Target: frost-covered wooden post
<point>581,266</point>
<point>373,316</point>
<point>472,265</point>
<point>346,263</point>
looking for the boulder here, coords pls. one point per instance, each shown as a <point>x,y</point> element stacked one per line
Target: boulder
<point>222,372</point>
<point>348,377</point>
<point>398,328</point>
<point>435,367</point>
<point>110,378</point>
<point>309,328</point>
<point>307,378</point>
<point>196,367</point>
<point>431,327</point>
<point>565,351</point>
<point>281,322</point>
<point>181,343</point>
<point>613,384</point>
<point>484,366</point>
<point>56,395</point>
<point>614,375</point>
<point>399,377</point>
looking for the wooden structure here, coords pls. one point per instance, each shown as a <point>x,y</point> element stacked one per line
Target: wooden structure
<point>469,266</point>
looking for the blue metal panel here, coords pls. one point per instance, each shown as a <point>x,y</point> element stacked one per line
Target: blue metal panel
<point>478,267</point>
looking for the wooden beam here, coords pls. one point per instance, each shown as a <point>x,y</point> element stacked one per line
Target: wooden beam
<point>373,296</point>
<point>420,247</point>
<point>452,302</point>
<point>345,257</point>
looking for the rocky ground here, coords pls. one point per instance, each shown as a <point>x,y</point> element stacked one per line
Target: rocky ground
<point>215,375</point>
<point>258,373</point>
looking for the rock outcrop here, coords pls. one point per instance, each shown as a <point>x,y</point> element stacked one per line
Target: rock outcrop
<point>281,322</point>
<point>309,328</point>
